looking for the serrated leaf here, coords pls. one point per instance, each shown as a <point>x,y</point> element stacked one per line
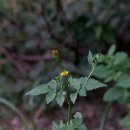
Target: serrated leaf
<point>77,119</point>
<point>51,92</point>
<point>73,97</point>
<point>74,124</point>
<point>78,115</point>
<point>90,58</point>
<point>100,71</point>
<point>50,97</point>
<point>69,127</point>
<point>124,81</point>
<point>82,127</point>
<point>63,126</point>
<point>91,84</point>
<point>60,98</point>
<point>82,91</point>
<point>75,83</point>
<point>41,89</point>
<point>113,94</point>
<point>112,50</point>
<point>52,84</point>
<point>78,122</point>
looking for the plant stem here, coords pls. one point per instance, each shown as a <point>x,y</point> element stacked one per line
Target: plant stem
<point>16,110</point>
<point>91,72</point>
<point>105,116</point>
<point>69,111</point>
<point>69,101</point>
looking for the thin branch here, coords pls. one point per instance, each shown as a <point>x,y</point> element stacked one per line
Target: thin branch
<point>105,116</point>
<point>16,110</point>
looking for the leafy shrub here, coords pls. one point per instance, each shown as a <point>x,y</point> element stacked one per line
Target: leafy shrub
<point>114,69</point>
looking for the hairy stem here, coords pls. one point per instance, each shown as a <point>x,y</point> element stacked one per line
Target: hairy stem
<point>91,72</point>
<point>16,110</point>
<point>105,116</point>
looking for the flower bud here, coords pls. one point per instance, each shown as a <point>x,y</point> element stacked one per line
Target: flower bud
<point>64,73</point>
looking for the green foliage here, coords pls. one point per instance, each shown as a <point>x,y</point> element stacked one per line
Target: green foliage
<point>124,81</point>
<point>90,57</point>
<point>101,71</point>
<point>60,98</point>
<point>111,50</point>
<point>56,89</point>
<point>80,85</point>
<point>64,88</point>
<point>113,69</point>
<point>113,94</point>
<point>29,29</point>
<point>41,89</point>
<point>93,84</point>
<point>83,85</point>
<point>126,121</point>
<point>75,124</point>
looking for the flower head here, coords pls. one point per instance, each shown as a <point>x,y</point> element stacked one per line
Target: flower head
<point>64,73</point>
<point>54,53</point>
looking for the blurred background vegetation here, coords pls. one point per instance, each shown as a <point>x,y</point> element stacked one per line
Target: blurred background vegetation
<point>29,29</point>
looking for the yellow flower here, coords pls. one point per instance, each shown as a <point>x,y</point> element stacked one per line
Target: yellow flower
<point>55,53</point>
<point>64,73</point>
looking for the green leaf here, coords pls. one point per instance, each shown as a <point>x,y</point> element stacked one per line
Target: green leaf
<point>62,126</point>
<point>76,83</point>
<point>108,79</point>
<point>91,84</point>
<point>73,97</point>
<point>82,127</point>
<point>119,57</point>
<point>90,58</point>
<point>51,93</point>
<point>75,124</point>
<point>50,97</point>
<point>100,71</point>
<point>52,84</point>
<point>60,98</point>
<point>113,94</point>
<point>82,91</point>
<point>112,50</point>
<point>78,115</point>
<point>78,122</point>
<point>124,81</point>
<point>41,89</point>
<point>126,121</point>
<point>69,127</point>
